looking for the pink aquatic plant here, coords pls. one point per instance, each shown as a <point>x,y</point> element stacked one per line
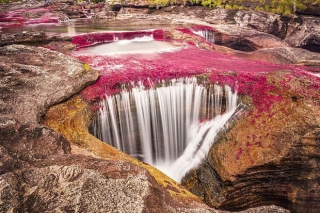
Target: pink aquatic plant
<point>96,38</point>
<point>248,77</point>
<point>201,28</point>
<point>16,18</point>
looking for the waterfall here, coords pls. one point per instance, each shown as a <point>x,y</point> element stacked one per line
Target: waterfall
<point>171,127</point>
<point>87,12</point>
<point>141,38</point>
<point>208,35</point>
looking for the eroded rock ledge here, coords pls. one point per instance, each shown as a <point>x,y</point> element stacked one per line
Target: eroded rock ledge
<point>42,170</point>
<point>268,156</point>
<point>39,171</point>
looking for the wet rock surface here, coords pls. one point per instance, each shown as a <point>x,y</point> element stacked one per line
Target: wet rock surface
<point>267,157</point>
<point>281,55</point>
<point>38,171</point>
<point>276,165</point>
<point>305,34</point>
<point>29,37</point>
<point>28,75</point>
<point>239,38</point>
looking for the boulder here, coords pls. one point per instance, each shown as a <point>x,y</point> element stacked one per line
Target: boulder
<point>245,39</point>
<point>78,183</point>
<point>305,34</point>
<point>29,37</point>
<point>281,55</point>
<point>28,76</point>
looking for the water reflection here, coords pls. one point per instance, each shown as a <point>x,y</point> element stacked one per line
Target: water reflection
<point>76,26</point>
<point>71,29</point>
<point>136,46</point>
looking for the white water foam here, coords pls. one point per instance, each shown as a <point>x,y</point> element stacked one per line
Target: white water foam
<point>145,38</point>
<point>163,126</point>
<point>208,35</point>
<point>139,45</point>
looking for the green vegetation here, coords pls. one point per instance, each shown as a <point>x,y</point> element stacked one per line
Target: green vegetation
<point>162,3</point>
<point>274,6</point>
<point>211,3</point>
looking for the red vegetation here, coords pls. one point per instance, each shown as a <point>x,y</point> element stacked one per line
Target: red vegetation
<point>246,76</point>
<point>239,153</point>
<point>95,38</point>
<point>20,17</point>
<point>201,28</point>
<point>92,38</point>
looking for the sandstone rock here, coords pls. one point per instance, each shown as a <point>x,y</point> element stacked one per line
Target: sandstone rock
<point>306,34</point>
<point>85,184</point>
<point>189,37</point>
<point>105,13</point>
<point>245,39</point>
<point>29,37</point>
<point>281,55</point>
<point>78,183</point>
<point>38,174</point>
<point>28,76</point>
<point>263,209</point>
<point>269,155</point>
<point>220,16</point>
<point>264,22</point>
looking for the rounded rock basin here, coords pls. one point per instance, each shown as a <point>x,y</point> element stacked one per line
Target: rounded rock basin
<point>135,46</point>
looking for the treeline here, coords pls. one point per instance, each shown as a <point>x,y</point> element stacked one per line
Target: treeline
<point>274,6</point>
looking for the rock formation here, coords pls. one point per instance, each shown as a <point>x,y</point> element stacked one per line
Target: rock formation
<point>270,156</point>
<point>38,172</point>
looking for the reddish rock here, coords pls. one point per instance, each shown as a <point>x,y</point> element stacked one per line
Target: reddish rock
<point>268,156</point>
<point>305,34</point>
<point>281,55</point>
<point>245,39</point>
<point>28,75</point>
<point>30,37</point>
<point>38,173</point>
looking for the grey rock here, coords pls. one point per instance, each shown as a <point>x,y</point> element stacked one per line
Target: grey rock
<point>306,34</point>
<point>32,79</point>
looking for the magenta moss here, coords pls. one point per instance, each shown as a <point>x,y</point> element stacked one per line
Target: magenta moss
<point>248,77</point>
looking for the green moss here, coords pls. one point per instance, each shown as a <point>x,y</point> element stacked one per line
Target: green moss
<point>258,8</point>
<point>228,6</point>
<point>238,7</point>
<point>211,3</point>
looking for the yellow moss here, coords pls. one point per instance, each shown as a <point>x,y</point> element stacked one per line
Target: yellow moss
<point>72,119</point>
<point>263,137</point>
<point>86,67</point>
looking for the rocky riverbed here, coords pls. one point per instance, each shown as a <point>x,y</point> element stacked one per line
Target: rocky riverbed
<point>269,156</point>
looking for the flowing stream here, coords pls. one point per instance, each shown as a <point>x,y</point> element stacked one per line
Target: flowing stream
<point>138,45</point>
<point>170,127</point>
<point>208,35</point>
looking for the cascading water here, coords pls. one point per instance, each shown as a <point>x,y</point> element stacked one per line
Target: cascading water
<point>208,35</point>
<point>87,12</point>
<point>171,127</point>
<point>140,45</point>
